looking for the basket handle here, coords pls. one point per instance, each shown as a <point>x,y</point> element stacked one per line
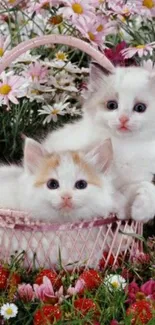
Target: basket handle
<point>54,39</point>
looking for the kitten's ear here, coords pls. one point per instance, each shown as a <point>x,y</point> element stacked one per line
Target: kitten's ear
<point>97,74</point>
<point>101,156</point>
<point>33,154</point>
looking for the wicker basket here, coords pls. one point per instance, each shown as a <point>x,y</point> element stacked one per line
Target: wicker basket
<point>86,242</point>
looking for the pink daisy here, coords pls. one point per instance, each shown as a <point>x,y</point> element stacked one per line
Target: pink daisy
<point>11,88</point>
<point>77,10</point>
<point>118,7</point>
<point>141,50</point>
<point>36,72</point>
<point>145,7</point>
<point>43,4</point>
<point>90,32</point>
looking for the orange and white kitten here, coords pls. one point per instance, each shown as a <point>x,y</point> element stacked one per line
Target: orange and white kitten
<point>61,187</point>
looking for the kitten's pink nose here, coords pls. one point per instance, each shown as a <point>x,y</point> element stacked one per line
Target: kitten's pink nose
<point>66,197</point>
<point>123,119</point>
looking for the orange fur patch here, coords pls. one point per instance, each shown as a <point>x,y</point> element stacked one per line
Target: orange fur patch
<point>89,171</point>
<point>48,163</point>
<point>51,162</point>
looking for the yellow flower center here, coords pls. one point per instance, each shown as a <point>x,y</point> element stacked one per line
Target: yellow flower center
<point>140,46</point>
<point>1,52</point>
<point>9,311</point>
<point>91,36</point>
<point>55,111</point>
<point>5,89</point>
<point>115,284</point>
<point>148,3</point>
<point>12,1</point>
<point>77,8</point>
<point>99,28</point>
<point>126,11</point>
<point>61,56</point>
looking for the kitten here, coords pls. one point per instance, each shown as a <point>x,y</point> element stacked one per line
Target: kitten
<point>120,105</point>
<point>67,186</point>
<point>60,187</point>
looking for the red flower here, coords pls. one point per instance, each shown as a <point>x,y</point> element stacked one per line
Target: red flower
<point>141,312</point>
<point>4,274</point>
<point>115,55</point>
<point>52,276</point>
<point>103,260</point>
<point>91,278</point>
<point>85,305</point>
<point>46,315</point>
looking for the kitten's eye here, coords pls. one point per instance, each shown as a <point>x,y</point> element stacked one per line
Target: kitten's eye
<point>140,108</point>
<point>81,184</point>
<point>112,105</point>
<point>52,184</point>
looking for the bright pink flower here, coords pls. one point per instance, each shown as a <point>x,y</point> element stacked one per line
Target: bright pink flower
<point>25,292</point>
<point>132,289</point>
<point>80,284</point>
<point>148,288</point>
<point>45,290</point>
<point>36,72</point>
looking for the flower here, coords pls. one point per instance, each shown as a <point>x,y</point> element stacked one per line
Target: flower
<point>115,281</point>
<point>89,31</point>
<point>114,322</point>
<point>52,112</point>
<point>62,56</point>
<point>45,291</point>
<point>140,50</point>
<point>80,284</point>
<point>115,54</point>
<point>148,288</point>
<point>9,310</point>
<point>4,44</point>
<point>132,290</point>
<point>36,72</point>
<point>77,10</point>
<point>140,257</point>
<point>25,292</point>
<point>11,87</point>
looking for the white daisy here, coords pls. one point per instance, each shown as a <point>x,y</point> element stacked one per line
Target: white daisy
<point>9,311</point>
<point>52,111</point>
<point>115,281</point>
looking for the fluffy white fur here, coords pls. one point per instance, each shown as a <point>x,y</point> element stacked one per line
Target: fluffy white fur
<point>18,190</point>
<point>134,149</point>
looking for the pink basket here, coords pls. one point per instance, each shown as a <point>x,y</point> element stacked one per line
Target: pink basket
<point>84,243</point>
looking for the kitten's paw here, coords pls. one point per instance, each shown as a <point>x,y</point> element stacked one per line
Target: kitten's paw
<point>143,207</point>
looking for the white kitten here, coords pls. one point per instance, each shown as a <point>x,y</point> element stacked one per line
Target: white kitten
<point>121,106</point>
<point>60,187</point>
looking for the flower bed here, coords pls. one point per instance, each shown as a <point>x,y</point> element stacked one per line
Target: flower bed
<point>123,295</point>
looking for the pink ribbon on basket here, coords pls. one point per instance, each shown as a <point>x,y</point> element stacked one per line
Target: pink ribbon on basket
<point>22,221</point>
